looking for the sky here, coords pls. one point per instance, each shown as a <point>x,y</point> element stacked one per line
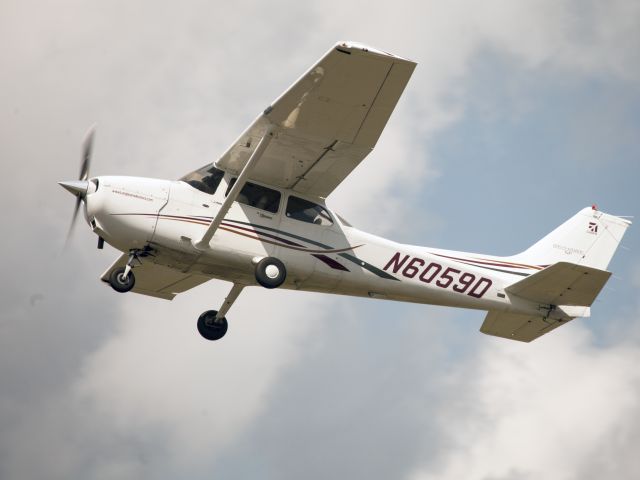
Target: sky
<point>518,115</point>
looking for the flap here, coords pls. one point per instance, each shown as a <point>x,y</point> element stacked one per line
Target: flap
<point>157,280</point>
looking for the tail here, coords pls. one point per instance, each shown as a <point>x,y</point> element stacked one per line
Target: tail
<point>575,256</point>
<point>589,238</point>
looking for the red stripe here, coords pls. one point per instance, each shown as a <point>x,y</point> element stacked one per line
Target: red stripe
<point>494,263</point>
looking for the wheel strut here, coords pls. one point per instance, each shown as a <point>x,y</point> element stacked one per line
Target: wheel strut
<point>127,268</point>
<point>122,279</point>
<point>212,324</point>
<point>134,256</point>
<point>229,300</point>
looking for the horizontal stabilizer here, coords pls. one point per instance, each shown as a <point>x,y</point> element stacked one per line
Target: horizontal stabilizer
<point>515,326</point>
<point>157,280</point>
<point>563,283</point>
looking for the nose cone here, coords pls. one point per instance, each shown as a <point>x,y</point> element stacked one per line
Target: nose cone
<point>76,187</point>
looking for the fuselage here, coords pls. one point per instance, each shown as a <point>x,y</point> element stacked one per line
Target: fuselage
<point>326,255</point>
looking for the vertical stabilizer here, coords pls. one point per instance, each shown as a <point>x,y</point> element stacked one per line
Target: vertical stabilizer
<point>588,238</point>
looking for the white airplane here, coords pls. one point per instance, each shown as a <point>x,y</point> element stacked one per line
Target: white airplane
<point>257,216</point>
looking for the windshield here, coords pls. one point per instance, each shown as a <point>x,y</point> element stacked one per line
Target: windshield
<point>206,179</point>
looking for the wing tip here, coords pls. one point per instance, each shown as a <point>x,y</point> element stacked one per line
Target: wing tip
<point>348,46</point>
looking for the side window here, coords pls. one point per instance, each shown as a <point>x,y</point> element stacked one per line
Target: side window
<point>206,179</point>
<point>257,196</point>
<point>306,211</point>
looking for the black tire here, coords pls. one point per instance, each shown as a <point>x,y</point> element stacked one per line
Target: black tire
<point>209,329</point>
<point>269,277</point>
<point>119,283</point>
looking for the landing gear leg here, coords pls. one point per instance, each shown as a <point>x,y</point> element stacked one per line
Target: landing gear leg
<point>122,279</point>
<point>212,324</point>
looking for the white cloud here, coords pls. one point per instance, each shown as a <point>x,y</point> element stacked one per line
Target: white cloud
<point>157,373</point>
<point>542,410</point>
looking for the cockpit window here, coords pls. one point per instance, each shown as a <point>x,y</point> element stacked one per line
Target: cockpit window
<point>306,211</point>
<point>206,179</point>
<point>257,196</point>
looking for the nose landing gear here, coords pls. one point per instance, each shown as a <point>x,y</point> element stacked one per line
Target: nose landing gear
<point>122,279</point>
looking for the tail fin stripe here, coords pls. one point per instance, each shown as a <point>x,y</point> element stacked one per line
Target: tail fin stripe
<point>487,261</point>
<point>521,274</point>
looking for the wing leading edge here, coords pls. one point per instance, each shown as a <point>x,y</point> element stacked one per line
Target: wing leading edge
<point>325,124</point>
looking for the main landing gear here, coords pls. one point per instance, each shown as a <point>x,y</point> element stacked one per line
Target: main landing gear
<point>212,324</point>
<point>270,273</point>
<point>211,327</point>
<point>122,279</point>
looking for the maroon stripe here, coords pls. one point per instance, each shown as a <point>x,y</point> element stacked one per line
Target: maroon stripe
<point>232,229</point>
<point>331,262</point>
<point>271,242</point>
<point>487,262</point>
<point>263,234</point>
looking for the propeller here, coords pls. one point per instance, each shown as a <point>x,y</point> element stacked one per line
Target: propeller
<point>79,187</point>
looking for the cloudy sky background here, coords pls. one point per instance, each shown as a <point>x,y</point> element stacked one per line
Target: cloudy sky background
<point>518,115</point>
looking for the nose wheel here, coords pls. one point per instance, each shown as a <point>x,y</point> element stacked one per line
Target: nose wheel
<point>121,280</point>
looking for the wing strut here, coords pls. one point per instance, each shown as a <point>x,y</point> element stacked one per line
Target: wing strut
<point>203,243</point>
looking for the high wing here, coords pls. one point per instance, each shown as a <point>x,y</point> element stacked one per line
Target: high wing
<point>157,280</point>
<point>324,124</point>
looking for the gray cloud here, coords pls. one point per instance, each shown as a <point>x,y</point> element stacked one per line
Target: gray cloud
<point>96,385</point>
